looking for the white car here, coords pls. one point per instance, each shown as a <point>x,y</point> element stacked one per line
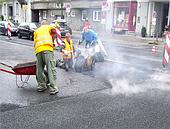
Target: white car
<point>4,25</point>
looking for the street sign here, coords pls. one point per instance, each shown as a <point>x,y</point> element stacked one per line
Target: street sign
<point>105,6</point>
<point>68,7</point>
<point>24,7</point>
<point>154,21</point>
<point>154,14</point>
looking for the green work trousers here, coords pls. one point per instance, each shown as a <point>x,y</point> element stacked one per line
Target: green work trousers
<point>46,59</point>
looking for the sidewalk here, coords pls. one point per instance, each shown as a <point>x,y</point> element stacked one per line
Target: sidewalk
<point>129,38</point>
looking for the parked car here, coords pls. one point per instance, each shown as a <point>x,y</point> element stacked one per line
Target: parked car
<point>63,27</point>
<point>27,30</point>
<point>4,25</point>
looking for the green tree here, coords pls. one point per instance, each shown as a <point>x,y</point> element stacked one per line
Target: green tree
<point>2,1</point>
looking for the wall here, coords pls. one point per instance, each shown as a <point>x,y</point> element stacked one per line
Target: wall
<point>4,10</point>
<point>74,21</point>
<point>142,15</point>
<point>159,9</point>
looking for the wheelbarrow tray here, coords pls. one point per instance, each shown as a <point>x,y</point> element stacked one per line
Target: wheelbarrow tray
<point>28,68</point>
<point>22,69</point>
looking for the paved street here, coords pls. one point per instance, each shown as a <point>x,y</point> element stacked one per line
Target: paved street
<point>130,90</point>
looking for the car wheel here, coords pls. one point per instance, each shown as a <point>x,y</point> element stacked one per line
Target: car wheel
<point>31,37</point>
<point>19,35</point>
<point>6,33</point>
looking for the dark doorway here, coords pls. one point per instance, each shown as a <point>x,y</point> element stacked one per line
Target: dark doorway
<point>35,16</point>
<point>10,12</point>
<point>165,15</point>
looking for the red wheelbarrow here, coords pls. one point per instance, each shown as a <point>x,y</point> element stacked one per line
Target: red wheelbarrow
<point>24,69</point>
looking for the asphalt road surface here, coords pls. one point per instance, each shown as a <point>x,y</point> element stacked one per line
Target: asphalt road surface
<point>130,90</point>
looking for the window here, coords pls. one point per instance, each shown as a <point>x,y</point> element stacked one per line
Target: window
<point>33,25</point>
<point>5,8</point>
<point>44,14</point>
<point>23,24</point>
<point>96,15</point>
<point>17,9</point>
<point>121,17</point>
<point>52,14</point>
<point>84,15</point>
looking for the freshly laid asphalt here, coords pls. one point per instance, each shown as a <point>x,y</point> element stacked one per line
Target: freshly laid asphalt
<point>96,110</point>
<point>83,102</point>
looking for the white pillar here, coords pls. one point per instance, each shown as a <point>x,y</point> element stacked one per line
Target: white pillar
<point>109,19</point>
<point>168,15</point>
<point>6,11</point>
<point>14,10</point>
<point>29,11</point>
<point>149,18</point>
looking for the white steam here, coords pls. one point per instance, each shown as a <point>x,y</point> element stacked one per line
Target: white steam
<point>158,81</point>
<point>123,86</point>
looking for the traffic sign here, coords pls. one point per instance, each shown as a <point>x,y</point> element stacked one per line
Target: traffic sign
<point>154,21</point>
<point>154,14</point>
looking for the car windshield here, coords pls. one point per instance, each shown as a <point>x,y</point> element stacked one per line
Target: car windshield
<point>33,25</point>
<point>62,24</point>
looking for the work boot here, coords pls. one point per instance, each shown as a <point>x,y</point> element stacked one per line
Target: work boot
<point>41,89</point>
<point>54,92</point>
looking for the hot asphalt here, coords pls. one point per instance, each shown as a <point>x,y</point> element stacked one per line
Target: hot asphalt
<point>134,99</point>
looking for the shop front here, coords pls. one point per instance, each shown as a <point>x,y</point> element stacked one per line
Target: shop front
<point>124,16</point>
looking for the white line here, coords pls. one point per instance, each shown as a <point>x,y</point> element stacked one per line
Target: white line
<point>116,61</point>
<point>124,63</point>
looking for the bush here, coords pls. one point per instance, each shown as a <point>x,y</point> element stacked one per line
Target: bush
<point>143,31</point>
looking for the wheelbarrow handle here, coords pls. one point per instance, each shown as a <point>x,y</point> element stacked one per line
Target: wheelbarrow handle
<point>7,71</point>
<point>6,65</point>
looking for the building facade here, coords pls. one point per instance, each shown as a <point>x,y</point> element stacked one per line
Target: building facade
<point>74,11</point>
<point>132,15</point>
<point>15,11</point>
<point>154,15</point>
<point>107,15</point>
<point>48,10</point>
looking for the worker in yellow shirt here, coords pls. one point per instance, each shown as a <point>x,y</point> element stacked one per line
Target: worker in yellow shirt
<point>68,51</point>
<point>43,46</point>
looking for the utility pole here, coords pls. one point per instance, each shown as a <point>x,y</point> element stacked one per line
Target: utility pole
<point>61,1</point>
<point>62,13</point>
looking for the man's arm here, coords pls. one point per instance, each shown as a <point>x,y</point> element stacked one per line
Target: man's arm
<point>83,36</point>
<point>35,36</point>
<point>94,35</point>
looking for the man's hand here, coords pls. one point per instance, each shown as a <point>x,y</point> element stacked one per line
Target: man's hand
<point>79,42</point>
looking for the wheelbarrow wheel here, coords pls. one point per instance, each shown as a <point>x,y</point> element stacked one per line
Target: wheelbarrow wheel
<point>99,57</point>
<point>79,64</point>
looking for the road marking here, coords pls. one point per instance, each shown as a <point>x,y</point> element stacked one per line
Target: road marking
<point>16,43</point>
<point>116,61</point>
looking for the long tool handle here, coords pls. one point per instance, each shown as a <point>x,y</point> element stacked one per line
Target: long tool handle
<point>6,65</point>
